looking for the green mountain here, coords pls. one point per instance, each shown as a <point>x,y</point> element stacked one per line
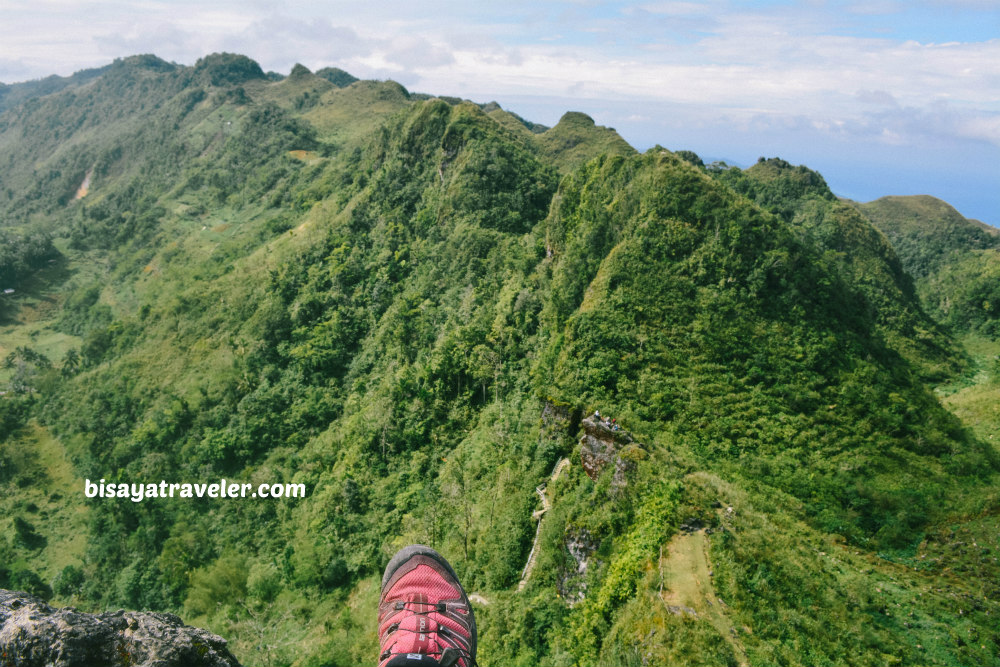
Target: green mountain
<point>867,256</point>
<point>12,95</point>
<point>576,139</point>
<point>926,231</point>
<point>956,261</point>
<point>407,304</point>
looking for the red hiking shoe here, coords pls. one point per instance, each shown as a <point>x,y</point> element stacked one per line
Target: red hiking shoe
<point>424,616</point>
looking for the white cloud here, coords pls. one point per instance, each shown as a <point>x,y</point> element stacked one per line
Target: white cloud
<point>418,53</point>
<point>875,7</point>
<point>981,5</point>
<point>711,61</point>
<point>676,8</point>
<point>985,128</point>
<point>14,69</point>
<point>876,97</point>
<point>279,41</point>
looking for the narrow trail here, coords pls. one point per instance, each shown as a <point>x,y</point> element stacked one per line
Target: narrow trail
<point>538,515</point>
<point>685,575</point>
<point>686,587</point>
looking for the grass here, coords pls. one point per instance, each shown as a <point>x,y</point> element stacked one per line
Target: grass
<point>32,310</point>
<point>52,503</point>
<point>576,139</point>
<point>344,115</point>
<point>37,335</point>
<point>686,576</point>
<point>974,398</point>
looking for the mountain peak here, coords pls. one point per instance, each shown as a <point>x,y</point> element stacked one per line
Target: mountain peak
<point>576,139</point>
<point>932,229</point>
<point>799,178</point>
<point>299,71</point>
<point>228,69</point>
<point>576,118</point>
<point>336,76</point>
<point>146,61</point>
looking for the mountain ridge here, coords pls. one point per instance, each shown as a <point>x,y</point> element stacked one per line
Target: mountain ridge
<point>385,296</point>
<point>953,259</point>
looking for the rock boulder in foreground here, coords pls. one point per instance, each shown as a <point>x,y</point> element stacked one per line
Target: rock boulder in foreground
<point>33,633</point>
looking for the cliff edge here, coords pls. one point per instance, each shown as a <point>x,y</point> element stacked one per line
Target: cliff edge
<point>32,633</point>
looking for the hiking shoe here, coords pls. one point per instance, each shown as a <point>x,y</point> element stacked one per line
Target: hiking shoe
<point>424,615</point>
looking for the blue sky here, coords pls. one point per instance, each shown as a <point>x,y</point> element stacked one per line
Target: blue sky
<point>881,96</point>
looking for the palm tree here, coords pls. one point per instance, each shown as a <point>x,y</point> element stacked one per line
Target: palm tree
<point>71,363</point>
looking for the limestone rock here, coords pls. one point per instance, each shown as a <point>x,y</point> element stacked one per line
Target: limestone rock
<point>572,585</point>
<point>600,446</point>
<point>32,633</point>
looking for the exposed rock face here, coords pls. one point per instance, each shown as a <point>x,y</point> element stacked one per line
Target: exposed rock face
<point>572,583</point>
<point>600,446</point>
<point>559,422</point>
<point>33,633</point>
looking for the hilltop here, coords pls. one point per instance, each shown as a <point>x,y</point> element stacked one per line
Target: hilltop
<point>407,303</point>
<point>955,261</point>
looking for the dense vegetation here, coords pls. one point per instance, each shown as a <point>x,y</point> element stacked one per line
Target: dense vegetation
<point>859,253</point>
<point>11,95</point>
<point>22,254</point>
<point>955,261</point>
<point>405,303</point>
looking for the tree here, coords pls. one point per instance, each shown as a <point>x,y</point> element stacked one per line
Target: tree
<point>71,363</point>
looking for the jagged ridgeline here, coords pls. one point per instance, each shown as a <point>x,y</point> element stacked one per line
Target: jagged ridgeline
<point>677,302</point>
<point>858,251</point>
<point>406,303</point>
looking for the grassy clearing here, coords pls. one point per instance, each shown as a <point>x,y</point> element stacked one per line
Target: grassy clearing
<point>686,576</point>
<point>975,399</point>
<point>51,500</point>
<point>38,336</point>
<point>344,115</point>
<point>32,310</point>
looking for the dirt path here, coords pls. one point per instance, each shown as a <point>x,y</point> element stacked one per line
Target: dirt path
<point>538,515</point>
<point>686,586</point>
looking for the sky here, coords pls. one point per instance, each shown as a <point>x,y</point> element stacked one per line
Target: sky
<point>882,97</point>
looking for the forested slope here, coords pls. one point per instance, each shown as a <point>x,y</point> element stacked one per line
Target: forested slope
<point>406,304</point>
<point>955,261</point>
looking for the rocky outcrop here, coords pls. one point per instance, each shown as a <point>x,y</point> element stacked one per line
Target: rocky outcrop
<point>33,633</point>
<point>559,423</point>
<point>572,583</point>
<point>600,446</point>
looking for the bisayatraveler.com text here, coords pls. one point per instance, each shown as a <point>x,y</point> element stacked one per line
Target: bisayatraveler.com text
<point>223,489</point>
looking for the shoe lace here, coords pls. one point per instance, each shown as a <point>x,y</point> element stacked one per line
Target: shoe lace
<point>447,657</point>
